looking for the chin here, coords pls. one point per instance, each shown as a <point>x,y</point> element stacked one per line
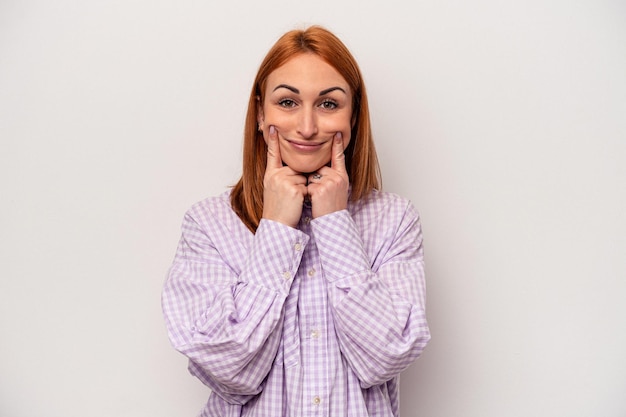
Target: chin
<point>305,165</point>
<point>305,168</point>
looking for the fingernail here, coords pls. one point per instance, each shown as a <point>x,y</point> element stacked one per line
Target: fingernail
<point>338,137</point>
<point>272,130</point>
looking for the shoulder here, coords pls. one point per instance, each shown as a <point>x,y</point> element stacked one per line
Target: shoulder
<point>215,214</point>
<point>210,207</point>
<point>382,203</point>
<point>383,215</point>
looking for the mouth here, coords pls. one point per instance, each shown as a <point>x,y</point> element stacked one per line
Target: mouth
<point>305,146</point>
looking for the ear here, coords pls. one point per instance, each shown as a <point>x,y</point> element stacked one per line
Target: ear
<point>260,117</point>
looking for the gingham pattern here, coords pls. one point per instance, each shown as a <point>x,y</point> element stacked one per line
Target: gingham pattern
<point>314,321</point>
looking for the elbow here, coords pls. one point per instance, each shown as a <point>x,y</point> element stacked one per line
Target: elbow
<point>420,342</point>
<point>233,378</point>
<point>235,388</point>
<point>226,390</point>
<point>238,387</point>
<point>392,360</point>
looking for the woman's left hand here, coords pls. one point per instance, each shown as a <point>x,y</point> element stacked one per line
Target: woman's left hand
<point>328,187</point>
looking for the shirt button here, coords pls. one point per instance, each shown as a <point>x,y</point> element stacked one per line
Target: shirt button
<point>286,275</point>
<point>298,246</point>
<point>307,220</point>
<point>315,333</point>
<point>311,272</point>
<point>317,400</point>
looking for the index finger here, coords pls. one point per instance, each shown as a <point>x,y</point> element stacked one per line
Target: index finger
<point>338,160</point>
<point>273,150</point>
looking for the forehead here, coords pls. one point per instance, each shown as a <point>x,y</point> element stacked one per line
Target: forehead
<point>306,71</point>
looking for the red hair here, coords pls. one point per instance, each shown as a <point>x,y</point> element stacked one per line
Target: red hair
<point>361,160</point>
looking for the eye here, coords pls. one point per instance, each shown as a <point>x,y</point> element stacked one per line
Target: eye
<point>287,103</point>
<point>328,104</point>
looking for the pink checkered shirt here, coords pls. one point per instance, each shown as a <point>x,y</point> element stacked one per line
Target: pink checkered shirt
<point>314,321</point>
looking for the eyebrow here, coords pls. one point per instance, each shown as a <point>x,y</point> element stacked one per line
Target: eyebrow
<point>296,91</point>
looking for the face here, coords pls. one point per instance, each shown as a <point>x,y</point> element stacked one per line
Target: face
<point>308,102</point>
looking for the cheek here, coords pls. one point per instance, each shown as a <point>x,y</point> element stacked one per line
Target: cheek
<point>272,116</point>
<point>341,123</point>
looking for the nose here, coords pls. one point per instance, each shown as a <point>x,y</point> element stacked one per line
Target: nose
<point>307,123</point>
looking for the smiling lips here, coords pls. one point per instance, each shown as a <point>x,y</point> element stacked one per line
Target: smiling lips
<point>305,146</point>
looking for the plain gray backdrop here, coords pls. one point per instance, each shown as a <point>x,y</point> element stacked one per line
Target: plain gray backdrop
<point>503,121</point>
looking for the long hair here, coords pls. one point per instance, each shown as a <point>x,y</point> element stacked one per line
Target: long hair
<point>360,155</point>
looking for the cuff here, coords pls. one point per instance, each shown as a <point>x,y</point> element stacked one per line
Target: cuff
<point>340,247</point>
<point>275,256</point>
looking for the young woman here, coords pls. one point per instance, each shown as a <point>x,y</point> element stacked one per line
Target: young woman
<point>301,290</point>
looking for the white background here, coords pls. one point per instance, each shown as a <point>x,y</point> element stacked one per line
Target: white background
<point>504,122</point>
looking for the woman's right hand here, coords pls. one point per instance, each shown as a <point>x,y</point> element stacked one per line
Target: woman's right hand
<point>284,189</point>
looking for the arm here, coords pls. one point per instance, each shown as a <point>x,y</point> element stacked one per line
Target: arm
<point>229,324</point>
<point>378,305</point>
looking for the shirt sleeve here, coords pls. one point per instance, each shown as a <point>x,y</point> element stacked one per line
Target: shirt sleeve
<point>229,324</point>
<point>377,299</point>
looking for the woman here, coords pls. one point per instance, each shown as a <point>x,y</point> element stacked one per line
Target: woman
<point>301,290</point>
